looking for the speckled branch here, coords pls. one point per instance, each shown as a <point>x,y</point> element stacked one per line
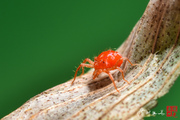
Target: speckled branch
<point>154,43</point>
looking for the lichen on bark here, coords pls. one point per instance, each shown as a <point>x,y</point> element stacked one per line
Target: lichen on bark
<point>153,43</point>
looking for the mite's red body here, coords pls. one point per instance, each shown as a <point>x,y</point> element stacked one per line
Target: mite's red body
<point>105,62</point>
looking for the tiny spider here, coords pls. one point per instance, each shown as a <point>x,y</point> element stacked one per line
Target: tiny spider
<point>105,62</point>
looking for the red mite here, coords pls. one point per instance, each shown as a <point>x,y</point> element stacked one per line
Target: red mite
<point>105,62</point>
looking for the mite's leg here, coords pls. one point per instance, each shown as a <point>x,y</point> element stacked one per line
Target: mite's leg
<point>125,58</point>
<point>119,61</point>
<point>81,65</point>
<point>96,73</point>
<point>112,79</point>
<point>86,60</point>
<point>122,74</point>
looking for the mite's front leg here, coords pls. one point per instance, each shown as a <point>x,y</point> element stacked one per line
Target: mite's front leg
<point>86,60</point>
<point>81,65</point>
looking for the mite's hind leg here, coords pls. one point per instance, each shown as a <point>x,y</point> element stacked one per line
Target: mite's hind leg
<point>122,74</point>
<point>112,79</point>
<point>81,65</point>
<point>125,58</point>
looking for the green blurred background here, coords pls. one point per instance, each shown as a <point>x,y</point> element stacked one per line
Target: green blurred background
<point>42,41</point>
